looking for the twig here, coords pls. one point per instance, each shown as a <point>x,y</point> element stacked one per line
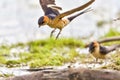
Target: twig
<point>107,40</point>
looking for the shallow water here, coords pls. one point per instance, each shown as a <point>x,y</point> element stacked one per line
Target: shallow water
<point>18,19</point>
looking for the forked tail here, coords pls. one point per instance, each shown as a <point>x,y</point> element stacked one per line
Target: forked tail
<point>85,11</point>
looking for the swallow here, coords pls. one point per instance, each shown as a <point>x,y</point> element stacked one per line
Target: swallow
<point>54,19</point>
<point>99,51</point>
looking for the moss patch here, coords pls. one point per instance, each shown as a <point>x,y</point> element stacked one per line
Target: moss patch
<point>48,52</point>
<point>112,32</point>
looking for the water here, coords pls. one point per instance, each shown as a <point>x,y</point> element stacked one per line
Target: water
<point>18,19</point>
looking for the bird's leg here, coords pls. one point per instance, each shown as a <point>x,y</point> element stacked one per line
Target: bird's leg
<point>58,33</point>
<point>96,60</point>
<point>106,60</point>
<point>52,32</point>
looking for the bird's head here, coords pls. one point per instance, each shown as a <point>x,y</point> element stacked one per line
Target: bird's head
<point>93,45</point>
<point>42,21</point>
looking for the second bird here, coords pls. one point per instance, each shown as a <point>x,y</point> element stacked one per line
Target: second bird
<point>54,19</point>
<point>99,51</point>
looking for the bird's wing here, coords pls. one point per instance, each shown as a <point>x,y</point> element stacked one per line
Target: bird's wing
<point>49,7</point>
<point>74,10</point>
<point>105,50</point>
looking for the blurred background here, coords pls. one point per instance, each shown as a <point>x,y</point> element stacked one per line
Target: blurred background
<point>18,20</point>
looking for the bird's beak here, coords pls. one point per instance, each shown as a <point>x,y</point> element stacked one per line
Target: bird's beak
<point>91,49</point>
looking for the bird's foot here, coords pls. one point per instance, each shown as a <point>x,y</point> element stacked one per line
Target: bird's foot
<point>58,34</point>
<point>52,33</point>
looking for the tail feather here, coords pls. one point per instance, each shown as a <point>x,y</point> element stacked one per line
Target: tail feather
<point>114,47</point>
<point>85,11</point>
<point>106,50</point>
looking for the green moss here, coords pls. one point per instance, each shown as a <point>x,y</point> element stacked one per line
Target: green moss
<point>51,61</point>
<point>112,67</point>
<point>72,54</point>
<point>51,52</point>
<point>12,63</point>
<point>115,65</point>
<point>18,45</point>
<point>116,58</point>
<point>112,32</point>
<point>4,53</point>
<point>4,50</point>
<point>2,60</point>
<point>6,75</point>
<point>52,43</point>
<point>117,62</point>
<point>101,23</point>
<point>48,52</point>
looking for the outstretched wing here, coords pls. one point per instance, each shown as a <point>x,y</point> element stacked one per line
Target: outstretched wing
<point>49,7</point>
<point>74,10</point>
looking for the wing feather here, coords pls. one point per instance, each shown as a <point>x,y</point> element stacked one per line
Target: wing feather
<point>74,10</point>
<point>105,50</point>
<point>49,7</point>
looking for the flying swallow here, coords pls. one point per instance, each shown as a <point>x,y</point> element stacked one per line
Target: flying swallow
<point>99,51</point>
<point>54,19</point>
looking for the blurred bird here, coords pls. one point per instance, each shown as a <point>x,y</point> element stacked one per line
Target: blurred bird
<point>54,19</point>
<point>100,52</point>
<point>116,19</point>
